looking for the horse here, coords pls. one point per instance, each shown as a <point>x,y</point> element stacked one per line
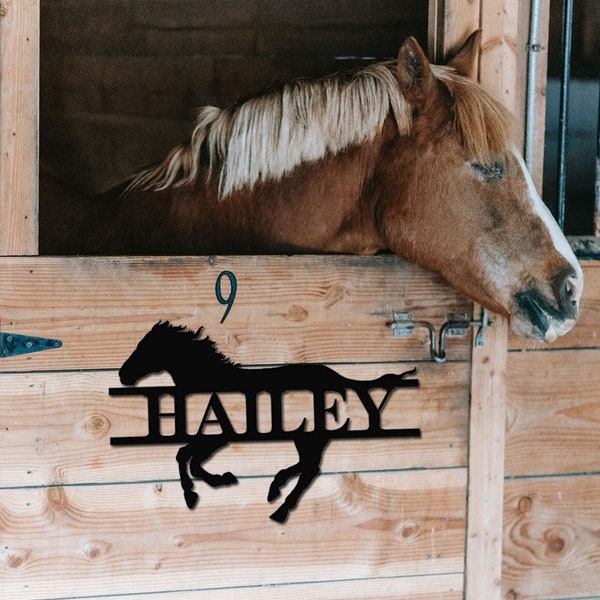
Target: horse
<point>401,156</point>
<point>195,364</point>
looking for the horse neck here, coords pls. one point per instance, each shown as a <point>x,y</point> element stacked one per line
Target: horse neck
<point>194,362</point>
<point>322,206</point>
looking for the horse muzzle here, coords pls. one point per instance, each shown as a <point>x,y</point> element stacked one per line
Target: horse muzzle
<point>541,317</point>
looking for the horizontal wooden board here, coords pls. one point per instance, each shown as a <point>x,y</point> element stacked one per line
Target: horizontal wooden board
<point>115,539</point>
<point>553,412</point>
<point>287,309</point>
<point>586,333</point>
<point>424,587</point>
<point>56,427</point>
<point>551,542</point>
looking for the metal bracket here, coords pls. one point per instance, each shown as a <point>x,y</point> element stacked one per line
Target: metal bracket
<point>457,325</point>
<point>12,344</point>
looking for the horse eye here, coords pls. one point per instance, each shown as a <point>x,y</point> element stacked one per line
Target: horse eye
<point>490,173</point>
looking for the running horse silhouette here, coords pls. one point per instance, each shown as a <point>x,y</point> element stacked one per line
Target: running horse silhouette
<point>403,156</point>
<point>194,362</point>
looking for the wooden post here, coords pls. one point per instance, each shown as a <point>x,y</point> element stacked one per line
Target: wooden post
<point>19,85</point>
<point>501,68</point>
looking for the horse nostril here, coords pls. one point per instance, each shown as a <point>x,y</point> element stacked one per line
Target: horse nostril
<point>574,287</point>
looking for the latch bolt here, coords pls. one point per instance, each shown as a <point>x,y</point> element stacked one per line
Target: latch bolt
<point>403,325</point>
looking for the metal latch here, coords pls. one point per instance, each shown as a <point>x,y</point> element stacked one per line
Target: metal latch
<point>12,344</point>
<point>457,325</point>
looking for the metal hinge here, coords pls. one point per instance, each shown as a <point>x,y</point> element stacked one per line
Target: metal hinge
<point>12,344</point>
<point>456,325</point>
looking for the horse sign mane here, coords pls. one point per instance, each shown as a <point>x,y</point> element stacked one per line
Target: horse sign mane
<point>401,156</point>
<point>268,136</point>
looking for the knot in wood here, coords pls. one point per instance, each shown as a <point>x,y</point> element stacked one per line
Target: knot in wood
<point>17,557</point>
<point>95,549</point>
<point>296,313</point>
<point>3,9</point>
<point>525,504</point>
<point>557,542</point>
<point>97,425</point>
<point>409,530</point>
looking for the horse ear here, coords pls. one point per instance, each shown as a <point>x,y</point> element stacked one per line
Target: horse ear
<point>414,73</point>
<point>465,60</point>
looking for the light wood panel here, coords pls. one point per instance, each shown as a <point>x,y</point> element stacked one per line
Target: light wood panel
<point>287,309</point>
<point>551,543</point>
<point>553,423</point>
<point>142,538</point>
<point>19,85</point>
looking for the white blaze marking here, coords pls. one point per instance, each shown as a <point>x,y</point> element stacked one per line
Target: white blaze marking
<point>559,240</point>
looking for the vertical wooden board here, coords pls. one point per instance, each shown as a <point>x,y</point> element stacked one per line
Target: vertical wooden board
<point>450,22</point>
<point>551,542</point>
<point>486,465</point>
<point>141,538</point>
<point>19,82</point>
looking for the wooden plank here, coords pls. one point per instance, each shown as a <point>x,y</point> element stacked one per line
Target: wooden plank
<point>287,309</point>
<point>450,23</point>
<point>456,19</point>
<point>19,82</point>
<point>551,543</point>
<point>425,587</point>
<point>553,423</point>
<point>486,465</point>
<point>64,421</point>
<point>141,538</point>
<point>585,332</point>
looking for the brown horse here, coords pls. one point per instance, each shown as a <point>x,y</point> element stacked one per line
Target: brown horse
<point>401,156</point>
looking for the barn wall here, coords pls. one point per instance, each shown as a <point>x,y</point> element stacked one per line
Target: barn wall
<point>120,79</point>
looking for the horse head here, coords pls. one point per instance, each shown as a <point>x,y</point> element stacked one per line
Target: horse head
<point>456,198</point>
<point>163,348</point>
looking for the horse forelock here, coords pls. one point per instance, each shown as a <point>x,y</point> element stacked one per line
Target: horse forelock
<point>481,122</point>
<point>269,135</point>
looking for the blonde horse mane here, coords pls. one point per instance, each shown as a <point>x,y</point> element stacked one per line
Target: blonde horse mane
<point>266,137</point>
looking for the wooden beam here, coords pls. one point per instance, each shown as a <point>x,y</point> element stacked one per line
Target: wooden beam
<point>499,68</point>
<point>19,87</point>
<point>483,568</point>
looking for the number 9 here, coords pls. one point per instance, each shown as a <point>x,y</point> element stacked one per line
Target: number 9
<point>232,291</point>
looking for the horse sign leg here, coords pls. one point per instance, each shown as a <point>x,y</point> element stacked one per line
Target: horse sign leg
<point>310,452</point>
<point>281,479</point>
<point>195,454</point>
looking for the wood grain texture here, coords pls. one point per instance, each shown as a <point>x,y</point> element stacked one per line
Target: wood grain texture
<point>551,542</point>
<point>553,417</point>
<point>19,83</point>
<point>287,309</point>
<point>486,464</point>
<point>56,427</point>
<point>586,333</point>
<point>424,587</point>
<point>142,538</point>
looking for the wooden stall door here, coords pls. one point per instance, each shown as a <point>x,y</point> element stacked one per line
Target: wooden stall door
<point>385,519</point>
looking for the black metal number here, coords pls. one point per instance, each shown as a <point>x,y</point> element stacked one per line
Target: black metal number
<point>232,291</point>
